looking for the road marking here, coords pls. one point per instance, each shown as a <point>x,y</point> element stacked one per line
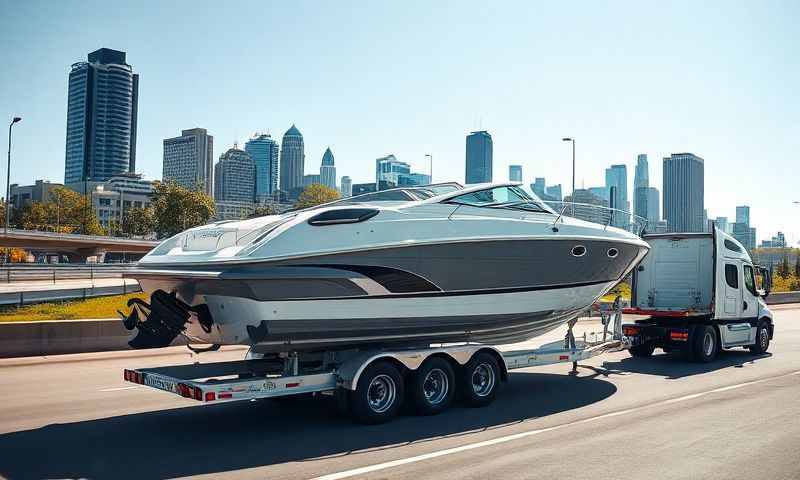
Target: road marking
<point>118,389</point>
<point>530,433</point>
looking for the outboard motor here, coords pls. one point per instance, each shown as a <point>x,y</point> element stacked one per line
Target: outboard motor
<point>165,317</point>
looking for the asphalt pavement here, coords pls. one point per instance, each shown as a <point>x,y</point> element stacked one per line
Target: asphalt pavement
<point>72,416</point>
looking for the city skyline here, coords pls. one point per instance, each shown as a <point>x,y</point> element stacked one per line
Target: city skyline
<point>613,116</point>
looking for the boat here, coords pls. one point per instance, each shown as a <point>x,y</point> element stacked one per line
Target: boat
<point>416,266</point>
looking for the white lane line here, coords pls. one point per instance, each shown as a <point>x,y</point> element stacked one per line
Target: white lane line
<point>117,389</point>
<point>530,433</point>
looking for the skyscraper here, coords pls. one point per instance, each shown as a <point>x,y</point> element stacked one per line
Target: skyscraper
<point>101,118</point>
<point>327,172</point>
<point>293,160</point>
<point>683,192</point>
<point>641,182</point>
<point>617,185</point>
<point>743,214</point>
<point>347,187</point>
<point>515,173</point>
<point>388,170</point>
<point>235,177</point>
<point>538,187</point>
<point>554,192</point>
<point>653,214</point>
<point>722,224</point>
<point>189,160</point>
<point>479,157</point>
<point>264,152</point>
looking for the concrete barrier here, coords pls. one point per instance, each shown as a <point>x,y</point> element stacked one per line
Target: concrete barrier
<point>53,337</point>
<point>63,294</point>
<point>780,298</point>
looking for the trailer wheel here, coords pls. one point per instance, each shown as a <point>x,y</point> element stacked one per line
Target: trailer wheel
<point>704,344</point>
<point>762,339</point>
<point>480,379</point>
<point>378,395</point>
<point>642,351</point>
<point>433,386</point>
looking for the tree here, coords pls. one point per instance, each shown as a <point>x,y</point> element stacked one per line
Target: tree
<point>264,210</point>
<point>176,209</point>
<point>783,267</point>
<point>797,266</point>
<point>139,221</point>
<point>316,194</point>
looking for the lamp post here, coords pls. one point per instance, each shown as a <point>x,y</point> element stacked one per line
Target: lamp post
<point>428,155</point>
<point>572,140</point>
<point>8,176</point>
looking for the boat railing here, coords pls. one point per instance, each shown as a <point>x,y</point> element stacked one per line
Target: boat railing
<point>601,214</point>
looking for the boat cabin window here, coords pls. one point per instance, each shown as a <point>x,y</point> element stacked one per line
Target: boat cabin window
<point>500,197</point>
<point>731,275</point>
<point>346,215</point>
<point>749,280</point>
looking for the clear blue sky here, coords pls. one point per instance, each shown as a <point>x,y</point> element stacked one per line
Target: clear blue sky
<point>716,79</point>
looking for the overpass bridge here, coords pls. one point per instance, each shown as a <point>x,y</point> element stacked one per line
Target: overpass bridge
<point>76,247</point>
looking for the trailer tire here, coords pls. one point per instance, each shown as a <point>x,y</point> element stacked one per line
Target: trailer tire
<point>705,344</point>
<point>432,386</point>
<point>480,380</point>
<point>378,395</point>
<point>642,351</point>
<point>762,339</point>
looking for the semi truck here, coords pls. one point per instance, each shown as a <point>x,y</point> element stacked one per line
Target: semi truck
<point>699,293</point>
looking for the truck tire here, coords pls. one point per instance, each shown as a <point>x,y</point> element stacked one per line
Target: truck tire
<point>762,339</point>
<point>480,380</point>
<point>378,395</point>
<point>705,344</point>
<point>642,351</point>
<point>432,386</point>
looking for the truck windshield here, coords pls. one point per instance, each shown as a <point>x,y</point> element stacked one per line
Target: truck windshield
<point>749,280</point>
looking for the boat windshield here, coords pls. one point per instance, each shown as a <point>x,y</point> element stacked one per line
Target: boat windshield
<point>501,197</point>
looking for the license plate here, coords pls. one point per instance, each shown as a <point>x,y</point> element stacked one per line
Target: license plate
<point>160,383</point>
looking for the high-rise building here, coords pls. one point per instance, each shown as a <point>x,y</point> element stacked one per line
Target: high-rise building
<point>554,192</point>
<point>235,177</point>
<point>722,223</point>
<point>584,210</point>
<point>189,160</point>
<point>101,118</point>
<point>347,187</point>
<point>745,234</point>
<point>327,172</point>
<point>311,179</point>
<point>515,173</point>
<point>653,214</point>
<point>413,179</point>
<point>388,169</point>
<point>743,214</point>
<point>641,183</point>
<point>293,160</point>
<point>683,192</point>
<point>264,152</point>
<point>617,185</point>
<point>538,187</point>
<point>479,157</point>
<point>362,188</point>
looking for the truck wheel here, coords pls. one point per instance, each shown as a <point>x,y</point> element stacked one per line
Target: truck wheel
<point>642,351</point>
<point>762,339</point>
<point>432,386</point>
<point>378,395</point>
<point>480,379</point>
<point>704,344</point>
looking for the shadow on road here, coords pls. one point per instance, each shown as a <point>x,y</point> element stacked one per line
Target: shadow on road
<point>225,437</point>
<point>673,366</point>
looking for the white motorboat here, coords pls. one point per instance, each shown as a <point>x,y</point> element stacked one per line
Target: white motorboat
<point>440,264</point>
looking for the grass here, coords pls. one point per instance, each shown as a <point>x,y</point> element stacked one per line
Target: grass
<point>100,307</point>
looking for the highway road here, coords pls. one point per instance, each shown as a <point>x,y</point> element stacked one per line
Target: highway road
<point>738,417</point>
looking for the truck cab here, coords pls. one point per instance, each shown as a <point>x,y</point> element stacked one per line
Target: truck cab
<point>699,292</point>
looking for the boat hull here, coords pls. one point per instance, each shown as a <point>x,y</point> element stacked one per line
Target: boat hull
<point>493,318</point>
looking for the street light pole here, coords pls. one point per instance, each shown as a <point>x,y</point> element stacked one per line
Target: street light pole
<point>431,157</point>
<point>572,140</point>
<point>8,176</point>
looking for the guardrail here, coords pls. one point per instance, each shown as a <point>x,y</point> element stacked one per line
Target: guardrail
<point>64,294</point>
<point>55,272</point>
<point>600,214</point>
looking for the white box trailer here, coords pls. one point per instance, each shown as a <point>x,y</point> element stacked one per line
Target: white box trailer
<point>372,384</point>
<point>699,292</point>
